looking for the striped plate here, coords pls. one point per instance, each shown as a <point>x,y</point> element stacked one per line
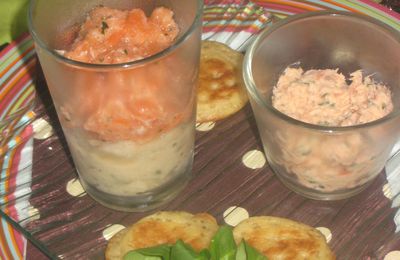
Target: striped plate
<point>283,8</point>
<point>230,21</point>
<point>17,93</point>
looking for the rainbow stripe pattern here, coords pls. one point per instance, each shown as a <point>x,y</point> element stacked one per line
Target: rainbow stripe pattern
<point>234,22</point>
<point>283,8</point>
<point>17,94</point>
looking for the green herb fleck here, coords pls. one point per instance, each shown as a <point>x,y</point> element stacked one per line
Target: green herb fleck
<point>222,247</point>
<point>323,103</point>
<point>323,123</point>
<point>104,26</point>
<point>126,51</point>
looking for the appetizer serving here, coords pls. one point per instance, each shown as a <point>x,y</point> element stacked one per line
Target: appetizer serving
<point>123,83</point>
<point>180,235</point>
<point>325,135</point>
<point>323,97</point>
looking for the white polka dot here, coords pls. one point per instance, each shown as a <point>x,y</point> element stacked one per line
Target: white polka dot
<point>254,159</point>
<point>41,129</point>
<point>204,127</point>
<point>326,232</point>
<point>33,213</point>
<point>75,189</point>
<point>111,230</point>
<point>234,215</point>
<point>394,255</point>
<point>387,192</point>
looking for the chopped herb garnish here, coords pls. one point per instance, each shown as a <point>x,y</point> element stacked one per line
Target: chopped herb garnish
<point>323,103</point>
<point>126,51</point>
<point>104,26</point>
<point>323,123</point>
<point>222,246</point>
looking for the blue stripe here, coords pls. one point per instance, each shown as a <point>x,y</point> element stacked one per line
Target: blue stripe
<point>19,64</point>
<point>328,5</point>
<point>8,238</point>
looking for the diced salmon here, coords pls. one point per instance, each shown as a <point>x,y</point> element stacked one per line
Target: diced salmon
<point>125,104</point>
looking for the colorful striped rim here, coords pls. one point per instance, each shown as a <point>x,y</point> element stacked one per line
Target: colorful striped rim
<point>236,17</point>
<point>17,94</point>
<point>13,243</point>
<point>17,63</point>
<point>234,23</point>
<point>17,91</point>
<point>283,8</point>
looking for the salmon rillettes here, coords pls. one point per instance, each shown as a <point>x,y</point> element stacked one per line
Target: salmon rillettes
<point>323,97</point>
<point>130,130</point>
<point>324,162</point>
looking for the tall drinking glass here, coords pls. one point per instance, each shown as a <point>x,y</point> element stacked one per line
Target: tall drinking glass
<point>129,126</point>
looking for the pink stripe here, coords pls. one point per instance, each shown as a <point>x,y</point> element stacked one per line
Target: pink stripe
<point>382,8</point>
<point>12,211</point>
<point>2,256</point>
<point>20,240</point>
<point>223,2</point>
<point>14,44</point>
<point>18,86</point>
<point>281,7</point>
<point>15,89</point>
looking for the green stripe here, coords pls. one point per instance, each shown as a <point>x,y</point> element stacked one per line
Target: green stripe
<point>17,104</point>
<point>15,53</point>
<point>378,14</point>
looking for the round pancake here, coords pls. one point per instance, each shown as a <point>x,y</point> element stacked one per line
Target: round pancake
<point>164,227</point>
<point>281,239</point>
<point>221,89</point>
<point>113,250</point>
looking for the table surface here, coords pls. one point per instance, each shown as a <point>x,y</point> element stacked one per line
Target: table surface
<point>72,227</point>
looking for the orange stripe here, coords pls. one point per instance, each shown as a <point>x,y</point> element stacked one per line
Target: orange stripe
<point>238,18</point>
<point>294,4</point>
<point>4,245</point>
<point>27,89</point>
<point>16,60</point>
<point>12,233</point>
<point>343,6</point>
<point>27,102</point>
<point>11,84</point>
<point>4,149</point>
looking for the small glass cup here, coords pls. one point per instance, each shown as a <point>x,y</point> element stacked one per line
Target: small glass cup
<point>322,162</point>
<point>130,127</point>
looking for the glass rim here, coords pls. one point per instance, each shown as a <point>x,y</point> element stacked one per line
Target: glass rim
<point>254,93</point>
<point>37,39</point>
